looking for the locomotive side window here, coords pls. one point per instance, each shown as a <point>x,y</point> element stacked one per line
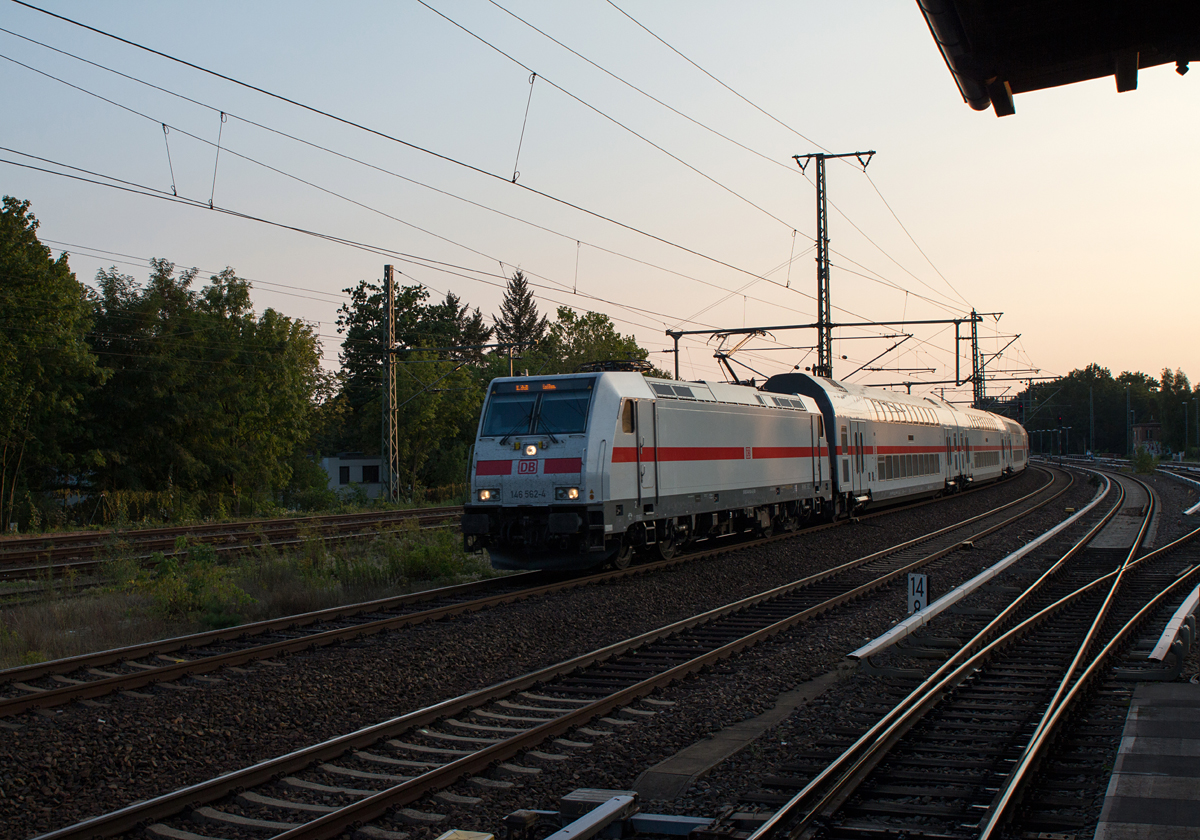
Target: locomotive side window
<point>627,417</point>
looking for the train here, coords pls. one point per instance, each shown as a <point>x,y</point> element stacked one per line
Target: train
<point>584,470</point>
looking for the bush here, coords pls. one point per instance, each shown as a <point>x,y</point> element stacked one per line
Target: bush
<point>196,587</point>
<point>1143,462</point>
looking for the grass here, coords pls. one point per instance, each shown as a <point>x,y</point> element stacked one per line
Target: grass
<point>174,596</point>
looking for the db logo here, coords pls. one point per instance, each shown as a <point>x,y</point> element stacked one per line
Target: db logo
<point>527,467</point>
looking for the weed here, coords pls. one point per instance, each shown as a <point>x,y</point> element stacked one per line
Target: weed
<point>191,590</point>
<point>1143,461</point>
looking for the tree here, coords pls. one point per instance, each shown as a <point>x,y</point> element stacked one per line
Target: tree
<point>437,393</point>
<point>575,339</point>
<point>519,322</point>
<point>204,395</point>
<point>1173,391</point>
<point>362,320</point>
<point>46,366</point>
<point>453,324</point>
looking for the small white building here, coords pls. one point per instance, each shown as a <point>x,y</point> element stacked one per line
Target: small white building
<point>347,469</point>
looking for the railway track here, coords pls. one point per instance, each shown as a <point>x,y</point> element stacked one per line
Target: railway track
<point>54,683</point>
<point>952,757</point>
<point>505,731</point>
<point>54,554</point>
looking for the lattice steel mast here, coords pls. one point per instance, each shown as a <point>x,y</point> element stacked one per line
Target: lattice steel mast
<point>391,425</point>
<point>824,365</point>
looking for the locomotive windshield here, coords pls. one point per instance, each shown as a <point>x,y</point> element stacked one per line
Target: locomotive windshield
<point>551,408</point>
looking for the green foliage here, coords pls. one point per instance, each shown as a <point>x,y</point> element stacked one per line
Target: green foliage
<point>575,339</point>
<point>204,395</point>
<point>194,586</point>
<point>519,322</point>
<point>1093,392</point>
<point>438,393</point>
<point>46,368</point>
<point>14,649</point>
<point>1143,461</point>
<point>406,556</point>
<point>309,488</point>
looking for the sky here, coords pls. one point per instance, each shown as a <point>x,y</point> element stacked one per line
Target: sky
<point>653,183</point>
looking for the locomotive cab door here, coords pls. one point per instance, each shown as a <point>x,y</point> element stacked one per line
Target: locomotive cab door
<point>647,457</point>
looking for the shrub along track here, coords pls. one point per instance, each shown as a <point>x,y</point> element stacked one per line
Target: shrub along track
<point>308,697</point>
<point>27,557</point>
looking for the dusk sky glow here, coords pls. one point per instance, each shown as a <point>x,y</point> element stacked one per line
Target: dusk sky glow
<point>1074,217</point>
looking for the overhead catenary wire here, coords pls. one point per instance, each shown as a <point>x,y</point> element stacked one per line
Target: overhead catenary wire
<point>223,114</point>
<point>468,166</point>
<point>394,139</point>
<point>802,136</point>
<point>789,169</point>
<point>725,290</point>
<point>414,261</point>
<point>128,186</point>
<point>605,115</point>
<point>402,221</point>
<point>367,164</point>
<point>338,195</point>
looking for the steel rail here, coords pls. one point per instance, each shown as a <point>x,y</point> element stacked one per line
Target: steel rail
<point>334,823</point>
<point>60,549</point>
<point>288,622</point>
<point>221,528</point>
<point>51,546</point>
<point>205,664</point>
<point>849,767</point>
<point>1050,718</point>
<point>169,804</point>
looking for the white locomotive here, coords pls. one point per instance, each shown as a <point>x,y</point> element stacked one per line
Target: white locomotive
<point>577,470</point>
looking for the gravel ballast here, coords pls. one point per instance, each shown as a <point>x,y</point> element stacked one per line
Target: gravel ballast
<point>71,763</point>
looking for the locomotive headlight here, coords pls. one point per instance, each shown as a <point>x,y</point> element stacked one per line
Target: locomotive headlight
<point>531,449</point>
<point>488,495</point>
<point>566,494</point>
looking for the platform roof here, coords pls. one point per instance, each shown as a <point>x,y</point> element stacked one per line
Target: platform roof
<point>998,48</point>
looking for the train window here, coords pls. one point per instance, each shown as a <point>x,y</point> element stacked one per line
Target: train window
<point>846,470</point>
<point>820,426</point>
<point>881,466</point>
<point>563,412</point>
<point>845,441</point>
<point>509,414</point>
<point>627,417</point>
